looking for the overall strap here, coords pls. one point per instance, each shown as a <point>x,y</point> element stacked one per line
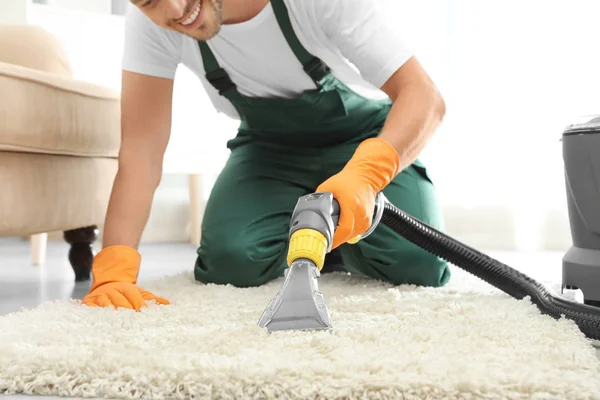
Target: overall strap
<point>313,66</point>
<point>216,75</point>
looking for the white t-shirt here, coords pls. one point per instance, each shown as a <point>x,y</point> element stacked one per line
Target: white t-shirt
<point>353,37</point>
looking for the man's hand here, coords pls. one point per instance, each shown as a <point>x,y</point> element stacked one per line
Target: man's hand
<point>115,271</point>
<point>372,167</point>
<point>121,295</point>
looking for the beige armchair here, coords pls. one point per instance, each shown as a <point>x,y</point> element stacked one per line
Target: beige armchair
<point>59,140</point>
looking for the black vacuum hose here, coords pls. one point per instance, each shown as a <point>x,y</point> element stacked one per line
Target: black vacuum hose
<point>499,275</point>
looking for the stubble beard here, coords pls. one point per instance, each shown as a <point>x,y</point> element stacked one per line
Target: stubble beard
<point>212,23</point>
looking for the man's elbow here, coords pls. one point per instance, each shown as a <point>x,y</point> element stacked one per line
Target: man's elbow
<point>432,104</point>
<point>439,106</point>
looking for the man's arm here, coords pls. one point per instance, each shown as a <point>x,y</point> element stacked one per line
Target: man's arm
<point>417,111</point>
<point>371,39</point>
<point>369,34</point>
<point>146,104</point>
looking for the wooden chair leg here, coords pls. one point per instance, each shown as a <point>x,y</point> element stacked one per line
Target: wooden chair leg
<point>39,244</point>
<point>81,253</point>
<point>196,200</point>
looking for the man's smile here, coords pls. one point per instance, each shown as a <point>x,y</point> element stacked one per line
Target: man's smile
<point>193,17</point>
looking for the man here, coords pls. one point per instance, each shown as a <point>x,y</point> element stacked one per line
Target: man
<point>297,74</point>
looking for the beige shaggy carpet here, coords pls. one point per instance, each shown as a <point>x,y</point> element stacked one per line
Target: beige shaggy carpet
<point>465,341</point>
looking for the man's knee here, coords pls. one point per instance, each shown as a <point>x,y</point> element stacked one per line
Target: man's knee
<point>239,262</point>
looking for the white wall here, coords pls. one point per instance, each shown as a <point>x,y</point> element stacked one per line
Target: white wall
<point>514,74</point>
<point>13,11</point>
<point>99,6</point>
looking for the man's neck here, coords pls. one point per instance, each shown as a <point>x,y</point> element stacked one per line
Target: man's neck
<point>238,11</point>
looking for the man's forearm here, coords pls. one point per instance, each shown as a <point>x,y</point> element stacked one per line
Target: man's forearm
<point>417,111</point>
<point>129,206</point>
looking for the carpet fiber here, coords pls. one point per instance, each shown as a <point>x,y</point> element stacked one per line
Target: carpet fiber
<point>465,341</point>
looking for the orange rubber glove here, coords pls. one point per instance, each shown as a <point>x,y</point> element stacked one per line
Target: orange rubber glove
<point>372,167</point>
<point>115,272</point>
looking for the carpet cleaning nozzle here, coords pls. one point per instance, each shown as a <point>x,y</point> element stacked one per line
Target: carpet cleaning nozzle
<point>299,305</point>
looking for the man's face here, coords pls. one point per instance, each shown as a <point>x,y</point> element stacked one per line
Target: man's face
<point>200,19</point>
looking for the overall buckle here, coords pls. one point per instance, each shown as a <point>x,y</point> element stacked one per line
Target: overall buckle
<point>316,69</point>
<point>220,80</point>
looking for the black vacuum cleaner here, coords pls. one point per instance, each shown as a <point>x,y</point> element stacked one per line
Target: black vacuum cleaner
<point>299,304</point>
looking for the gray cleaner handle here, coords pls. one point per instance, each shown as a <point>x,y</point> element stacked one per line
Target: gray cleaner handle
<point>335,213</point>
<point>319,211</point>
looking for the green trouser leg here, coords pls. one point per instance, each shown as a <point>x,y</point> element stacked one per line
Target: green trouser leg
<point>245,227</point>
<point>388,256</point>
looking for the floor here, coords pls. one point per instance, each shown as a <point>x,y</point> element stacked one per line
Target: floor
<point>24,285</point>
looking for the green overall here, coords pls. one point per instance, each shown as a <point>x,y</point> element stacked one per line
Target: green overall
<point>283,150</point>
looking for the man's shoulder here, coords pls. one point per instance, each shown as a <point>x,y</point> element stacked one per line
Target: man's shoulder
<point>308,8</point>
<point>136,20</point>
<point>149,48</point>
<point>328,15</point>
